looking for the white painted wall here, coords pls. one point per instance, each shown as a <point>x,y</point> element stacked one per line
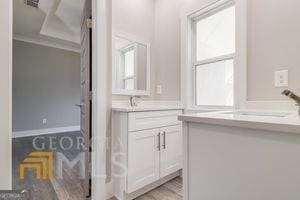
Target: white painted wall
<point>134,16</point>
<point>166,56</point>
<point>273,44</point>
<point>5,94</point>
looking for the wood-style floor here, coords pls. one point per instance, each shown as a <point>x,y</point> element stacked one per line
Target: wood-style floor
<point>169,191</point>
<point>68,188</point>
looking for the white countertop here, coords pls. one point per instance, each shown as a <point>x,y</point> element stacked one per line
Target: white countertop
<point>146,108</point>
<point>279,122</point>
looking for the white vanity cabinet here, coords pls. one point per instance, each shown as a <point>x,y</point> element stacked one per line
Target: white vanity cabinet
<point>147,146</point>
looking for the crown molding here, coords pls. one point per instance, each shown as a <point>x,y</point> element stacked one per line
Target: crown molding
<point>45,43</point>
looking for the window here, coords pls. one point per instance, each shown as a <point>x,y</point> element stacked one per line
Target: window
<point>213,57</point>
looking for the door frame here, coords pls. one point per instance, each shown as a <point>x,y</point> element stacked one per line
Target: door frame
<point>101,79</point>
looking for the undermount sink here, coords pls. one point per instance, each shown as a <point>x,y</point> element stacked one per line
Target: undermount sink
<point>258,113</point>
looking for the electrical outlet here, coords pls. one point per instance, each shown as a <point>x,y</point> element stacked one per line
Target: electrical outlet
<point>158,89</point>
<point>281,78</point>
<point>45,121</point>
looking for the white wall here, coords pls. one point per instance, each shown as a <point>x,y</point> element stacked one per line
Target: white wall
<point>5,94</point>
<point>167,48</point>
<point>273,44</point>
<point>134,16</point>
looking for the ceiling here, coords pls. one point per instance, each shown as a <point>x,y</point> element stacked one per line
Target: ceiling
<point>55,22</point>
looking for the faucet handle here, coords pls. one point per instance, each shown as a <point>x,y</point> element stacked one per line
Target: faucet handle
<point>136,102</point>
<point>133,103</point>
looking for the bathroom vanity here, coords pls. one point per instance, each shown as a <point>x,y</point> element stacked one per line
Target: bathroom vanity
<point>241,155</point>
<point>147,148</point>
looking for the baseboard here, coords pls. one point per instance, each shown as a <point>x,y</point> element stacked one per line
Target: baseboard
<point>20,134</point>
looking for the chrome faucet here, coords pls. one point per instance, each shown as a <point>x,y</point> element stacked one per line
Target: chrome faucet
<point>293,96</point>
<point>133,101</point>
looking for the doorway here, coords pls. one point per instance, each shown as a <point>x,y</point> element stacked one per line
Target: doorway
<point>52,104</point>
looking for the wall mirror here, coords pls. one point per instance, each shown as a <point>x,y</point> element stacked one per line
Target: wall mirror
<point>131,66</point>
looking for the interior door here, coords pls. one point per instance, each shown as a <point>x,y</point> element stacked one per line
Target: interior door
<point>171,150</point>
<point>86,88</point>
<point>143,158</point>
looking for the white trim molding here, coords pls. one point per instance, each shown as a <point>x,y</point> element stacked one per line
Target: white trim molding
<point>41,42</point>
<point>240,62</point>
<point>137,40</point>
<point>6,7</point>
<point>102,62</point>
<point>29,133</point>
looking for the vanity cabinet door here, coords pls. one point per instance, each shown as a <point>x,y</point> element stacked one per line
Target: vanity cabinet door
<point>171,150</point>
<point>143,159</point>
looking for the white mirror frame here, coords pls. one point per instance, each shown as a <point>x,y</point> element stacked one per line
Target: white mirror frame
<point>135,39</point>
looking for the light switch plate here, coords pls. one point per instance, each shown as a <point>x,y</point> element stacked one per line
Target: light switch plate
<point>282,78</point>
<point>158,89</point>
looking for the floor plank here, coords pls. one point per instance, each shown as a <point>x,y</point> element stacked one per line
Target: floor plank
<point>169,191</point>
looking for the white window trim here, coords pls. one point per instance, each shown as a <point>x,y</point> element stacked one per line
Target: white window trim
<point>188,16</point>
<point>196,17</point>
<point>128,78</point>
<point>214,60</point>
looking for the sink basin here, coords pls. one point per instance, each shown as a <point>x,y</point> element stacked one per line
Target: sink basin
<point>258,113</point>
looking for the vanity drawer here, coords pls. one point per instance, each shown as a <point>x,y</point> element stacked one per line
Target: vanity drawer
<point>152,119</point>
